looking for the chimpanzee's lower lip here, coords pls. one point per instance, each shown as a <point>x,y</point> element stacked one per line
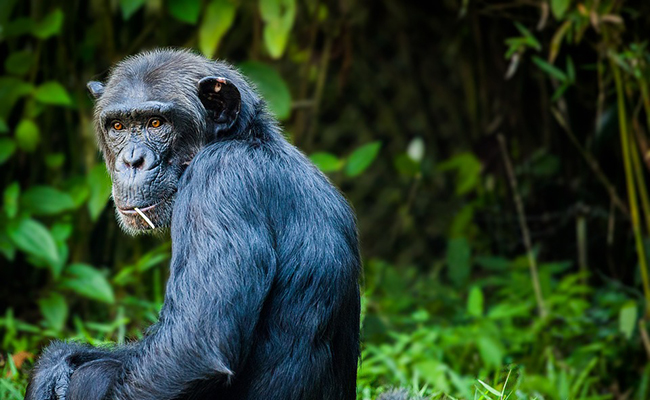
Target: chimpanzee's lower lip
<point>132,209</point>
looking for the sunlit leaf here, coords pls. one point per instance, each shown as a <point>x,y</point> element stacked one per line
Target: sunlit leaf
<point>130,7</point>
<point>55,311</point>
<point>100,190</point>
<point>33,238</point>
<point>46,200</point>
<point>490,350</point>
<point>217,19</point>
<point>88,282</point>
<point>27,135</point>
<point>627,317</point>
<point>52,93</point>
<point>326,162</point>
<point>271,86</point>
<point>278,17</point>
<point>7,148</point>
<point>475,302</point>
<point>559,7</point>
<point>50,25</point>
<point>185,10</point>
<point>361,158</point>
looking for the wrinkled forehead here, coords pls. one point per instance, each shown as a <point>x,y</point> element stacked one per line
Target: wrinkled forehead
<point>141,96</point>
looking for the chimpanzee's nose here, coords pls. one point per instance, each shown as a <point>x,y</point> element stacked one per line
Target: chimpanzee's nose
<point>136,156</point>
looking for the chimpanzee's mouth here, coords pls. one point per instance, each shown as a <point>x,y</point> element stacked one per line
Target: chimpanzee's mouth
<point>132,210</point>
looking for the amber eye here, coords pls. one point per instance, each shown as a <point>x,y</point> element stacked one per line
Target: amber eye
<point>155,123</point>
<point>118,126</point>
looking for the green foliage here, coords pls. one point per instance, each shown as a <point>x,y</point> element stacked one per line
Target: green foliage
<point>33,238</point>
<point>217,19</point>
<point>88,282</point>
<point>271,85</point>
<point>361,158</point>
<point>408,131</point>
<point>28,135</point>
<point>185,10</point>
<point>52,93</point>
<point>130,7</point>
<point>327,162</point>
<point>278,16</point>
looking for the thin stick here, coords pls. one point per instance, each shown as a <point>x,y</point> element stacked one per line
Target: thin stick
<point>631,188</point>
<point>532,263</point>
<point>144,217</point>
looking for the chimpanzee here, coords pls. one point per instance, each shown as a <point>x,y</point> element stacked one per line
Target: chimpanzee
<point>262,300</point>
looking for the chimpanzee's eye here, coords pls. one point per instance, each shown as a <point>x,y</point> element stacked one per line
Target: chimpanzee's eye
<point>155,123</point>
<point>117,125</point>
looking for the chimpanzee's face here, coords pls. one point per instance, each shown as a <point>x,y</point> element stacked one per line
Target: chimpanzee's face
<point>140,137</point>
<point>151,118</point>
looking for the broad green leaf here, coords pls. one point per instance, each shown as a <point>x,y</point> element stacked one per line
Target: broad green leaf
<point>61,231</point>
<point>551,70</point>
<point>217,19</point>
<point>4,128</point>
<point>52,93</point>
<point>361,158</point>
<point>7,148</point>
<point>54,310</point>
<point>326,162</point>
<point>129,7</point>
<point>27,135</point>
<point>88,282</point>
<point>10,196</point>
<point>559,7</point>
<point>458,260</point>
<point>46,200</point>
<point>627,317</point>
<point>271,86</point>
<point>185,10</point>
<point>100,190</point>
<point>475,302</point>
<point>490,350</point>
<point>50,25</point>
<point>19,63</point>
<point>278,17</point>
<point>33,238</point>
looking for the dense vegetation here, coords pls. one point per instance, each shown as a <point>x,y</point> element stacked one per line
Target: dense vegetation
<point>496,153</point>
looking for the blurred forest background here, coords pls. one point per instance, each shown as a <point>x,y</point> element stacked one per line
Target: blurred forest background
<point>496,153</point>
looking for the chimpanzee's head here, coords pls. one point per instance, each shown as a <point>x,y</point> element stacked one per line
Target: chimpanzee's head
<point>155,112</point>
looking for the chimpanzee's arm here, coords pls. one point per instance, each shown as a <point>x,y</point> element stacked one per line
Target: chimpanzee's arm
<point>223,262</point>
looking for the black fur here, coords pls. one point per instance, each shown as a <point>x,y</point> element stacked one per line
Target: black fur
<point>262,300</point>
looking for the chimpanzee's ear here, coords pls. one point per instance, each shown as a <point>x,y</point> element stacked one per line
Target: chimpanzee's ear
<point>96,89</point>
<point>221,99</point>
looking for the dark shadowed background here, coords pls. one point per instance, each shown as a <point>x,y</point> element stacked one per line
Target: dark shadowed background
<point>496,153</point>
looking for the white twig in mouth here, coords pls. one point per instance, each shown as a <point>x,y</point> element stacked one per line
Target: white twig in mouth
<point>144,217</point>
